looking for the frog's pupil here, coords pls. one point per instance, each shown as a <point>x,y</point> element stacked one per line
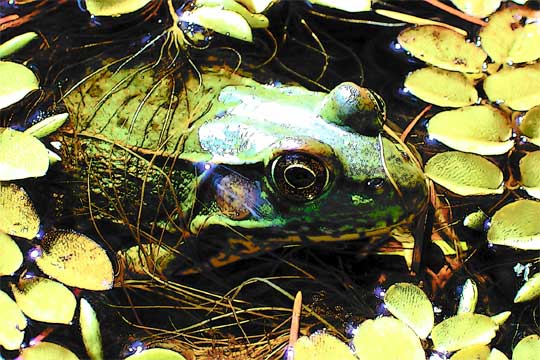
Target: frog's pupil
<point>376,183</point>
<point>299,176</point>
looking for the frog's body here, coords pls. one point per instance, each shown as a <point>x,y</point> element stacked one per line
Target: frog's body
<point>270,163</point>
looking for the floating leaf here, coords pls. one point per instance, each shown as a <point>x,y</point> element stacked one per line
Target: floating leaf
<point>465,174</point>
<point>515,87</point>
<point>529,167</point>
<point>530,290</point>
<point>136,258</point>
<point>516,225</point>
<point>475,220</point>
<point>468,298</point>
<point>114,7</point>
<point>496,355</point>
<point>90,332</point>
<point>12,323</point>
<point>156,354</point>
<point>463,330</point>
<point>257,6</point>
<point>19,217</point>
<point>530,125</point>
<point>443,48</point>
<point>410,304</point>
<point>501,318</point>
<point>11,255</point>
<point>225,22</point>
<point>345,5</point>
<point>321,346</point>
<point>479,9</point>
<point>476,352</point>
<point>255,21</point>
<point>512,35</point>
<point>441,87</point>
<point>21,156</point>
<point>15,44</point>
<point>45,300</point>
<point>372,339</point>
<point>527,349</point>
<point>16,81</point>
<point>479,129</point>
<point>46,350</point>
<point>47,126</point>
<point>75,260</point>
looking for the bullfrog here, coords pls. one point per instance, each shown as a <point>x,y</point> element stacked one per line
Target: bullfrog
<point>223,159</point>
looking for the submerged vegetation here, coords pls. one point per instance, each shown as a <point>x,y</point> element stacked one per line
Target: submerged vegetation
<point>209,179</point>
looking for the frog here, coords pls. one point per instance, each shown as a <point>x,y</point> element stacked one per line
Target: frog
<point>228,161</point>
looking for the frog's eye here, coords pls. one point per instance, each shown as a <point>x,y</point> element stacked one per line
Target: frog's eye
<point>376,185</point>
<point>299,176</point>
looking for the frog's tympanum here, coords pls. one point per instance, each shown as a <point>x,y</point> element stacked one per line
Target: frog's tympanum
<point>234,161</point>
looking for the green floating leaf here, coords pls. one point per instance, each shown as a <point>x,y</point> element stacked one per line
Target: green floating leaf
<point>12,257</point>
<point>443,48</point>
<point>441,87</point>
<point>411,305</point>
<point>19,217</point>
<point>476,352</point>
<point>156,354</point>
<point>468,298</point>
<point>512,35</point>
<point>75,260</point>
<point>463,330</point>
<point>21,156</point>
<point>257,6</point>
<point>45,300</point>
<point>529,167</point>
<point>371,341</point>
<point>16,81</point>
<point>465,174</point>
<point>527,349</point>
<point>478,129</point>
<point>255,21</point>
<point>15,44</point>
<point>479,9</point>
<point>225,22</point>
<point>496,355</point>
<point>530,290</point>
<point>530,125</point>
<point>515,87</point>
<point>321,345</point>
<point>475,220</point>
<point>345,5</point>
<point>114,7</point>
<point>136,258</point>
<point>45,351</point>
<point>47,126</point>
<point>90,331</point>
<point>12,323</point>
<point>516,225</point>
<point>501,318</point>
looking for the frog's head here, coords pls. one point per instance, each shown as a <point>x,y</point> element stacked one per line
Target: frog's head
<point>282,160</point>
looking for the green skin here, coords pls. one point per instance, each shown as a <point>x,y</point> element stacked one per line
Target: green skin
<point>277,164</point>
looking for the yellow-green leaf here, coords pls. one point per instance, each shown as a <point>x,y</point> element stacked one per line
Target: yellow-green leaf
<point>478,129</point>
<point>411,305</point>
<point>47,351</point>
<point>12,257</point>
<point>501,318</point>
<point>225,22</point>
<point>496,355</point>
<point>114,7</point>
<point>16,43</point>
<point>468,297</point>
<point>16,81</point>
<point>475,220</point>
<point>257,6</point>
<point>156,354</point>
<point>476,8</point>
<point>530,125</point>
<point>516,88</point>
<point>75,260</point>
<point>345,5</point>
<point>465,174</point>
<point>321,346</point>
<point>45,300</point>
<point>476,352</point>
<point>12,323</point>
<point>516,225</point>
<point>255,21</point>
<point>527,349</point>
<point>529,167</point>
<point>443,48</point>
<point>512,35</point>
<point>21,156</point>
<point>47,126</point>
<point>90,331</point>
<point>463,330</point>
<point>373,337</point>
<point>441,87</point>
<point>530,290</point>
<point>19,217</point>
